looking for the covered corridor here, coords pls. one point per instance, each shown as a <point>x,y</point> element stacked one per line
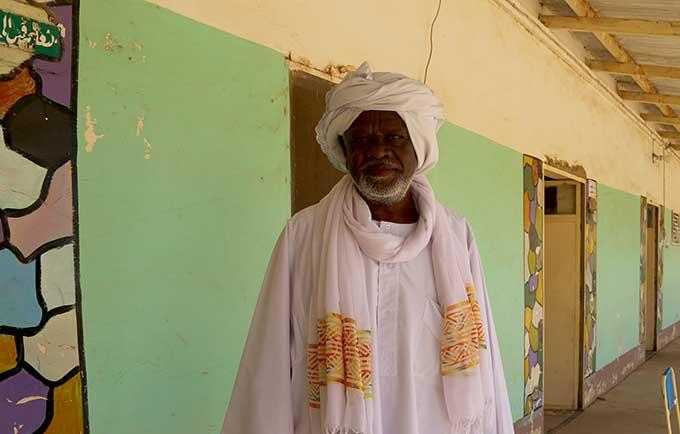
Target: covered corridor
<point>634,406</point>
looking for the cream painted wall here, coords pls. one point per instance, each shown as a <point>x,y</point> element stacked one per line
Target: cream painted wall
<point>498,71</point>
<point>534,7</point>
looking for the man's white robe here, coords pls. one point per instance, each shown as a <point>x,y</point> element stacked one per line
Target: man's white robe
<point>270,394</point>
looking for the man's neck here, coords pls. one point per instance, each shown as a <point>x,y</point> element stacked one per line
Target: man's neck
<point>404,211</point>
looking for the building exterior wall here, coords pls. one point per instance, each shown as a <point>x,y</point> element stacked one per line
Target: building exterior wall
<point>182,196</point>
<point>499,72</point>
<point>183,179</point>
<point>482,181</point>
<point>618,269</point>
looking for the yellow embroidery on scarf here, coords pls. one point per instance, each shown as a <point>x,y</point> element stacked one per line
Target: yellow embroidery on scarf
<point>463,335</point>
<point>476,315</point>
<point>341,354</point>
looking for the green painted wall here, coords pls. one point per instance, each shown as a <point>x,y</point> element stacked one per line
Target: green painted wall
<point>173,249</point>
<point>671,279</point>
<point>482,181</point>
<point>618,274</point>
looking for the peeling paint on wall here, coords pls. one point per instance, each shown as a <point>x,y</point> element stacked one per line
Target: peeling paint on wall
<point>111,44</point>
<point>91,136</point>
<point>140,125</point>
<point>573,168</point>
<point>147,149</point>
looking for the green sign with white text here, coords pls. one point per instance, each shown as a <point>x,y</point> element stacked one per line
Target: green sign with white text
<point>30,35</point>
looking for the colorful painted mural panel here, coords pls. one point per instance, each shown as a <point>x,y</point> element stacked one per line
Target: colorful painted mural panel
<point>590,279</point>
<point>40,359</point>
<point>533,284</point>
<point>643,266</point>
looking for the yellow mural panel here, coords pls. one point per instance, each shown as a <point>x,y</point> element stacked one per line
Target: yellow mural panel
<point>68,408</point>
<point>8,353</point>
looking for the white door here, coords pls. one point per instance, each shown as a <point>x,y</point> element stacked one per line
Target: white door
<point>563,282</point>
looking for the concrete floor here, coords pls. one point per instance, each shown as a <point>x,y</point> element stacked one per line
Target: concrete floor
<point>634,406</point>
<point>555,418</point>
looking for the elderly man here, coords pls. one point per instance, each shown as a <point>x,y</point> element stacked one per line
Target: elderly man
<point>373,317</point>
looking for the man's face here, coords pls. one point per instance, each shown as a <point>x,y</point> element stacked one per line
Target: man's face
<point>380,156</point>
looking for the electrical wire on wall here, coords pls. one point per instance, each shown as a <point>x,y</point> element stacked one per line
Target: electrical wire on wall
<point>429,56</point>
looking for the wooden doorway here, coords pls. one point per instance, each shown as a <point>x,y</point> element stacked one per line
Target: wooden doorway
<point>651,286</point>
<point>312,176</point>
<point>563,256</point>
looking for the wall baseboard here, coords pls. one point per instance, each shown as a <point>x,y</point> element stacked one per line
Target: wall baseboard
<point>532,424</point>
<point>604,379</point>
<point>668,335</point>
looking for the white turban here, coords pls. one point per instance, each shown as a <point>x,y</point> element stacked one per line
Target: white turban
<point>363,90</point>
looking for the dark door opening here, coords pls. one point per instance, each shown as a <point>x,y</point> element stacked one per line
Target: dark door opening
<point>651,281</point>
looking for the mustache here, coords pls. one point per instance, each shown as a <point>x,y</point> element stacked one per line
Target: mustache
<point>381,164</point>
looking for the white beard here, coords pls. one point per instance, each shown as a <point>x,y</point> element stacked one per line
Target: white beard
<point>376,191</point>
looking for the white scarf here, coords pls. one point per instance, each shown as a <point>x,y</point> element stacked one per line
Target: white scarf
<point>340,363</point>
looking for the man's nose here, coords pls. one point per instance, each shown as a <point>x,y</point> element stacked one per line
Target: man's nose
<point>379,148</point>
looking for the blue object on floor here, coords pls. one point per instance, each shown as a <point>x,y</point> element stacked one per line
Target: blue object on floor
<point>669,390</point>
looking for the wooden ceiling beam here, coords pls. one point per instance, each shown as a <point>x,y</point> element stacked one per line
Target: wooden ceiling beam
<point>654,98</point>
<point>660,119</point>
<point>671,135</point>
<point>634,69</point>
<point>583,9</point>
<point>624,26</point>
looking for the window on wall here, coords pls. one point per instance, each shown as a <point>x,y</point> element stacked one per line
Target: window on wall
<point>675,229</point>
<point>560,199</point>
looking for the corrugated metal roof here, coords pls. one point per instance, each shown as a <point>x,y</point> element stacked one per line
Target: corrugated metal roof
<point>645,50</point>
<point>641,9</point>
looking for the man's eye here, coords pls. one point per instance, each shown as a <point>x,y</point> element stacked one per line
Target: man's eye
<point>395,137</point>
<point>360,139</point>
